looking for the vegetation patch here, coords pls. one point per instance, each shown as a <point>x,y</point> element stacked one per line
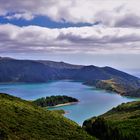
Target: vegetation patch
<point>120,123</point>
<point>23,120</point>
<point>54,100</point>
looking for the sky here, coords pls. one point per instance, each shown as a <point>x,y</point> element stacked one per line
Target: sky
<point>98,32</point>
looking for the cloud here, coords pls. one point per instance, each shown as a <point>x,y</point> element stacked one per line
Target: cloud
<point>129,20</point>
<point>93,39</point>
<point>122,13</point>
<point>26,16</point>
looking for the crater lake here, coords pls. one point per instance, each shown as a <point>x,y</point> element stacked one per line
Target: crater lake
<point>93,101</point>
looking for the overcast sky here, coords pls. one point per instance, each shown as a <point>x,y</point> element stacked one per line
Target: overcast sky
<point>98,32</point>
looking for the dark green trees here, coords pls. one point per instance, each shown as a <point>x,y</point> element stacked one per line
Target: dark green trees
<point>54,100</point>
<point>120,123</point>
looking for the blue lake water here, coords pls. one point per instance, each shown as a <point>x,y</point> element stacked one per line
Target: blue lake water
<point>93,101</point>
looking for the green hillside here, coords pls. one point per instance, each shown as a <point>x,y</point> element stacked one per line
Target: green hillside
<point>20,119</point>
<point>120,123</point>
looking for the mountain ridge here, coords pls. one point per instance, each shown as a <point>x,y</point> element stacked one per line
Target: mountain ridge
<point>33,71</point>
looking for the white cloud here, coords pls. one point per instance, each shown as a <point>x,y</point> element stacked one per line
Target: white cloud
<point>108,12</point>
<point>95,39</point>
<point>26,16</point>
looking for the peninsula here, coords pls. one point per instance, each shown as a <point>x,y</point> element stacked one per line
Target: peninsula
<point>55,101</point>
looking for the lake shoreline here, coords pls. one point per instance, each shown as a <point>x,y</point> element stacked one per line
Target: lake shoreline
<point>65,104</point>
<point>93,101</point>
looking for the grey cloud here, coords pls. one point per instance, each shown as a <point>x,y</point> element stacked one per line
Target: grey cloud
<point>70,40</point>
<point>129,20</point>
<point>106,39</point>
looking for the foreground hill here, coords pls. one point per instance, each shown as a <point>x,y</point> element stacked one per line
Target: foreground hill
<point>20,119</point>
<point>120,123</point>
<point>12,70</point>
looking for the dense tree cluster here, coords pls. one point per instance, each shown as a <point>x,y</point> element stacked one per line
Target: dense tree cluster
<point>120,123</point>
<point>54,100</point>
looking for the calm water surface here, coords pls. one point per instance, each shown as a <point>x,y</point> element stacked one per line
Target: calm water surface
<point>93,101</point>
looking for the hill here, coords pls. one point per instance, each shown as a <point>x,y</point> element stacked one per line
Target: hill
<point>135,93</point>
<point>120,123</point>
<point>60,65</point>
<point>33,71</point>
<point>20,119</point>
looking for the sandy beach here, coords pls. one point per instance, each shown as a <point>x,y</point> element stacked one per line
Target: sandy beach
<point>71,103</point>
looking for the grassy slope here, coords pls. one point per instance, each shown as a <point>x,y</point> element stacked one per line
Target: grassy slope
<point>112,85</point>
<point>120,123</point>
<point>21,119</point>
